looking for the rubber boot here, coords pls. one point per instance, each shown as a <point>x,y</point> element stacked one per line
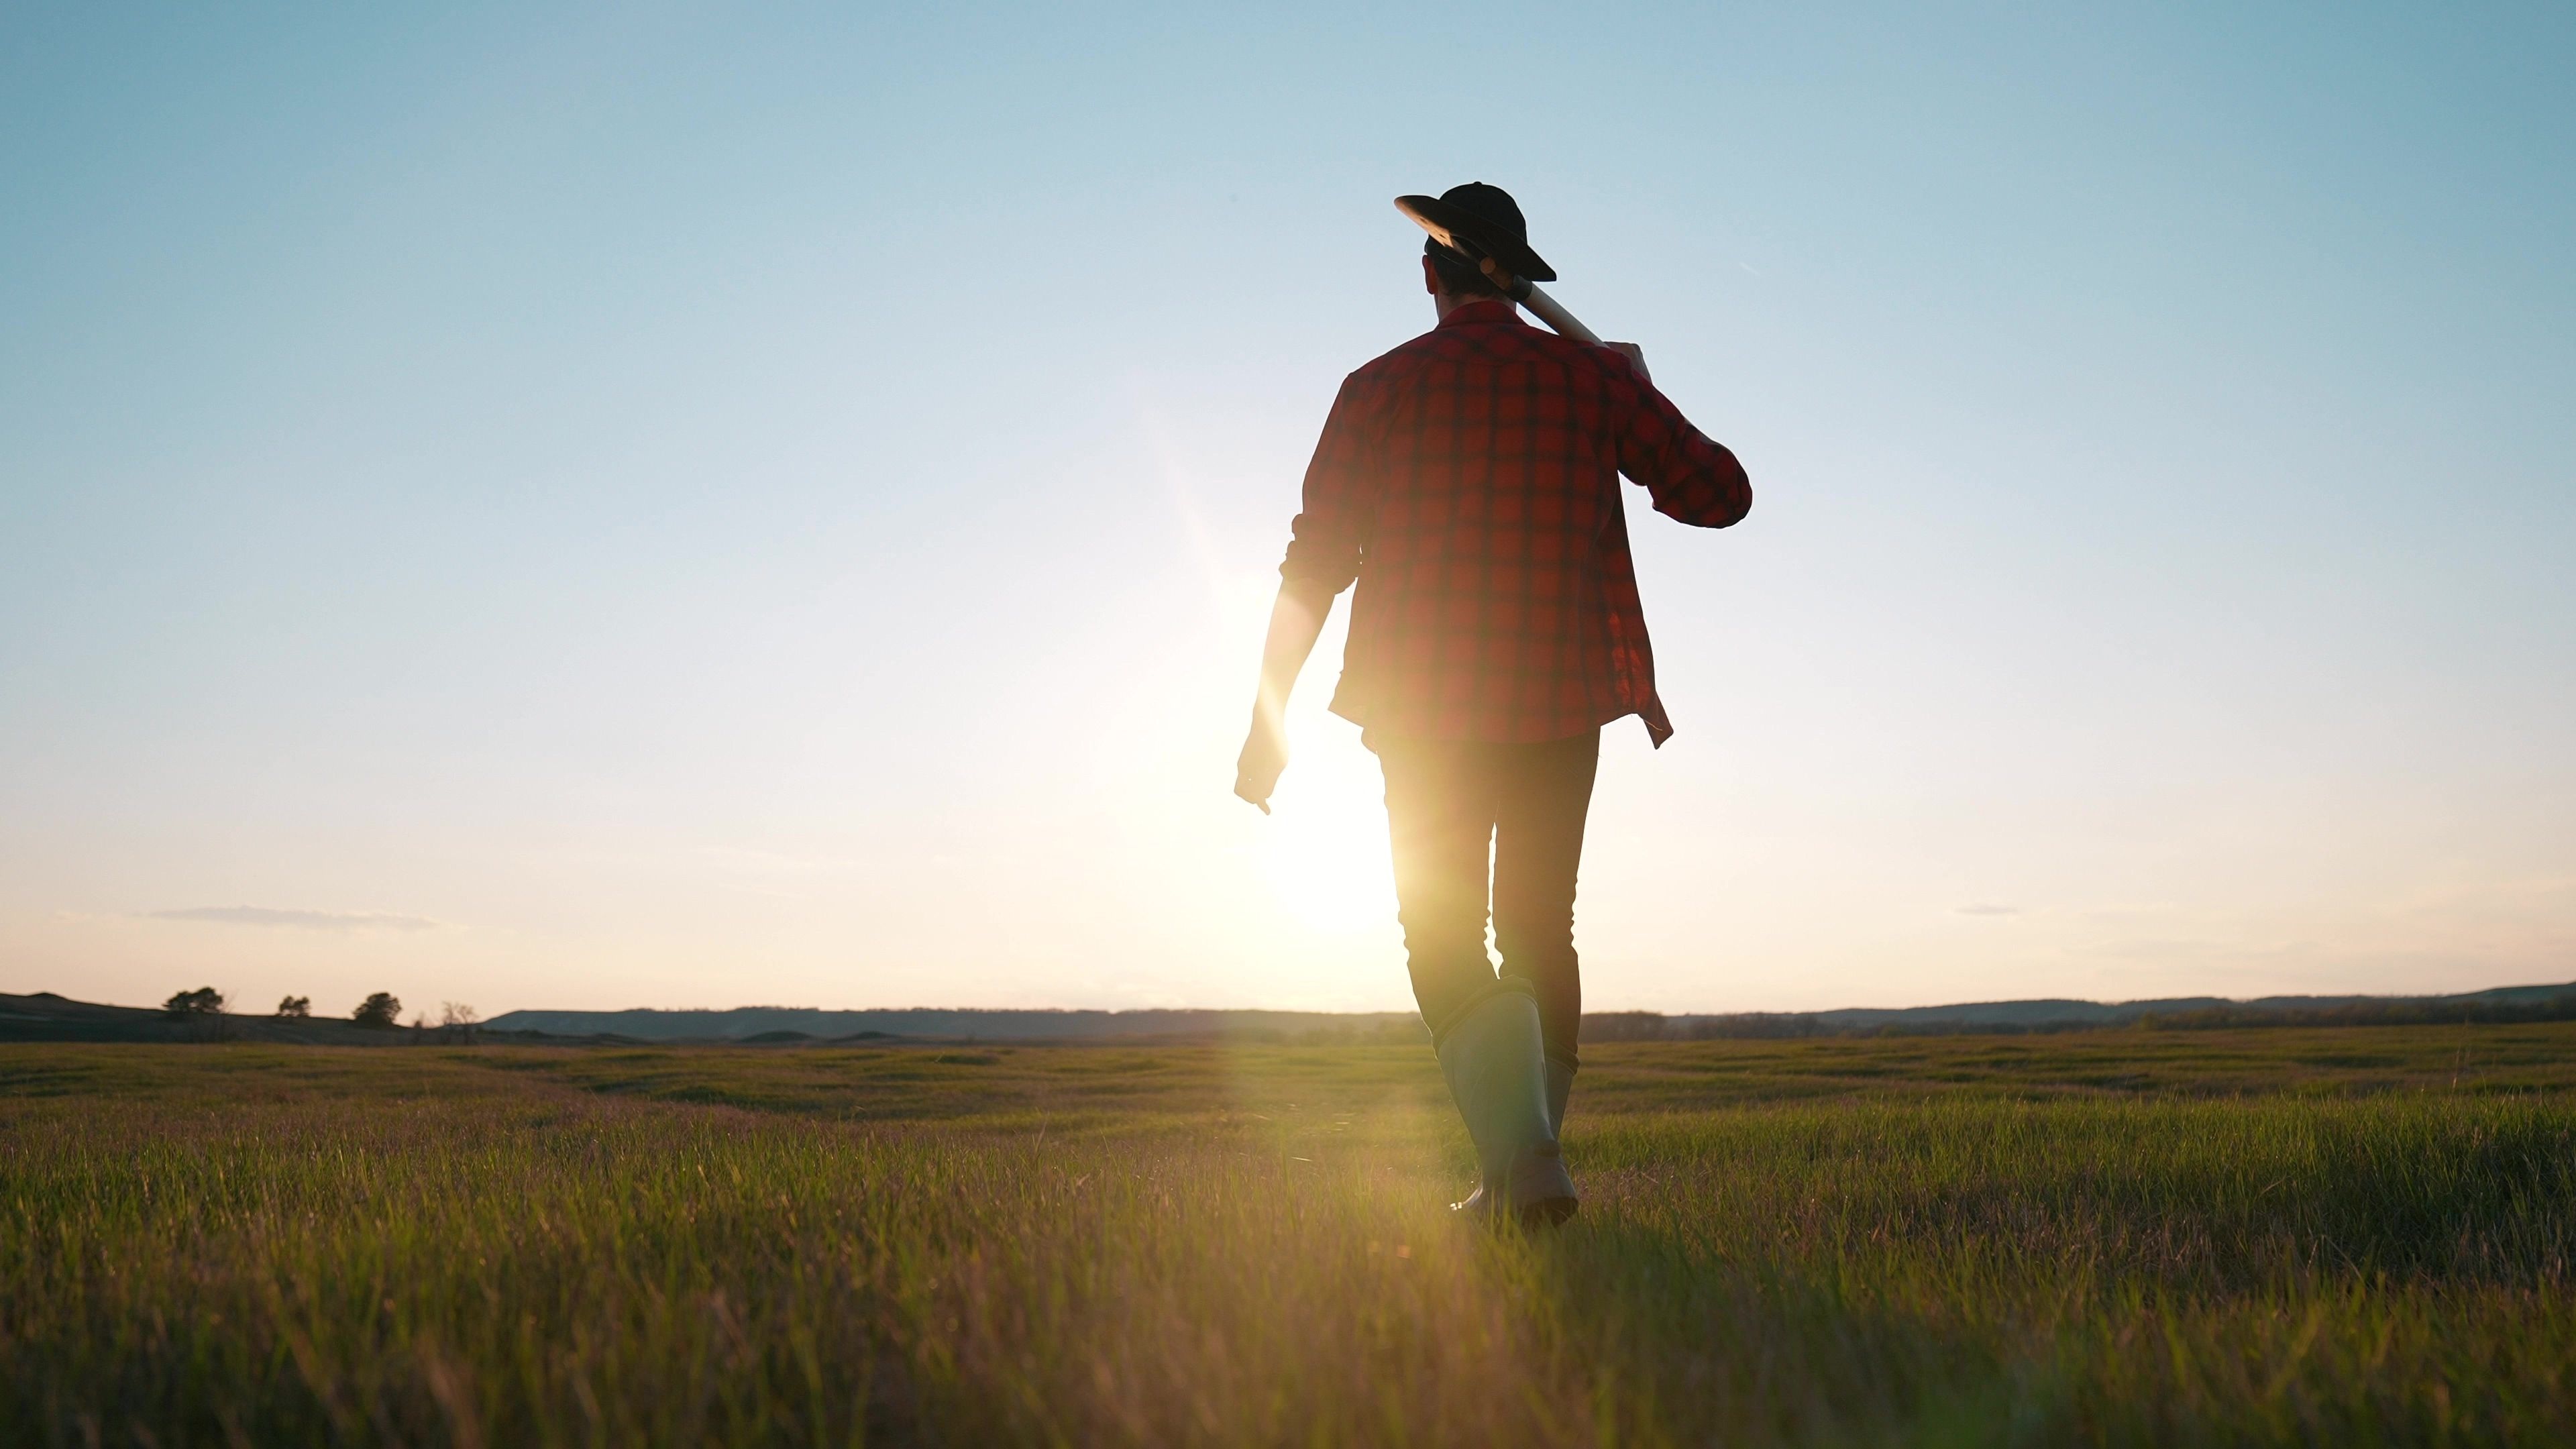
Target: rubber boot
<point>1498,1078</point>
<point>1560,1086</point>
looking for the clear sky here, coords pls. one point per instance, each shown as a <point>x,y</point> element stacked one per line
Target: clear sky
<point>682,505</point>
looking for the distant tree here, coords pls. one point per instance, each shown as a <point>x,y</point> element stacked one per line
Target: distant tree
<point>204,1001</point>
<point>382,1011</point>
<point>458,1020</point>
<point>298,1007</point>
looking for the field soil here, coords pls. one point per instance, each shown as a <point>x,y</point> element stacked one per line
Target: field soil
<point>2285,1236</point>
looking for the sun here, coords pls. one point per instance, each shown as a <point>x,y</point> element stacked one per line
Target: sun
<point>1324,856</point>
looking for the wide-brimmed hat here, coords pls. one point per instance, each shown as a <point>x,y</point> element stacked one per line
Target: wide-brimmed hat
<point>1476,221</point>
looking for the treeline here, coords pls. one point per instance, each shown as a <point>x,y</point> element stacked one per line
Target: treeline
<point>381,1011</point>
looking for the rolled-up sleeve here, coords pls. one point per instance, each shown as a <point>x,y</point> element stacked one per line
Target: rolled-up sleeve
<point>1331,529</point>
<point>1692,479</point>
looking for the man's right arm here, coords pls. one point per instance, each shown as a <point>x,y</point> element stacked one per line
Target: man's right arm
<point>1692,478</point>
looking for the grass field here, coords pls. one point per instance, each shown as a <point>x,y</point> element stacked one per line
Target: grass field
<point>2288,1236</point>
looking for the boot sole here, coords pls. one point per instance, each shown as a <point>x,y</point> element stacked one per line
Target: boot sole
<point>1549,1213</point>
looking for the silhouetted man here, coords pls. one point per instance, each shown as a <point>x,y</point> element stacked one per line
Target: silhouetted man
<point>1469,482</point>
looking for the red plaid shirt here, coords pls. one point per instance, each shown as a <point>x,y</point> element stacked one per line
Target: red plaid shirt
<point>1469,480</point>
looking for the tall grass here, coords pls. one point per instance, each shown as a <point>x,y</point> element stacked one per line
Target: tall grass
<point>1097,1245</point>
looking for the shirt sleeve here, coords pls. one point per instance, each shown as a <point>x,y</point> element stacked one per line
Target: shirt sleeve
<point>1691,478</point>
<point>1340,499</point>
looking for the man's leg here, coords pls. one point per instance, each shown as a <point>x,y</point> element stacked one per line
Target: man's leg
<point>1440,822</point>
<point>1543,793</point>
<point>1440,806</point>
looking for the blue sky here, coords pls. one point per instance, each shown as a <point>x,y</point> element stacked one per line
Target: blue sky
<point>685,505</point>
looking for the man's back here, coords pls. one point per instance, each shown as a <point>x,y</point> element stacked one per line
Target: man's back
<point>1468,480</point>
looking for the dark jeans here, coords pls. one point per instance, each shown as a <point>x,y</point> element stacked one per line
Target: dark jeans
<point>1446,802</point>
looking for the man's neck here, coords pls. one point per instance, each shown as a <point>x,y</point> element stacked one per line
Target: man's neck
<point>1446,302</point>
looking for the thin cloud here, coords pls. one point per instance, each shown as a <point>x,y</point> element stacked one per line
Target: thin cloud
<point>1986,910</point>
<point>297,920</point>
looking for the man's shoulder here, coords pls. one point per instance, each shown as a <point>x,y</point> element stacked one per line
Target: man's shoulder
<point>1514,343</point>
<point>1411,351</point>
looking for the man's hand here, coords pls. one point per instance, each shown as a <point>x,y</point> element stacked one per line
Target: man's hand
<point>1256,771</point>
<point>1636,358</point>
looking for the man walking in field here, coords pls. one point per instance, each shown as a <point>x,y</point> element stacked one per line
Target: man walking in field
<point>1468,481</point>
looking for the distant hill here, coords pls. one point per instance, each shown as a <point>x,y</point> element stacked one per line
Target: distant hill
<point>2502,1003</point>
<point>45,1016</point>
<point>747,1023</point>
<point>784,1024</point>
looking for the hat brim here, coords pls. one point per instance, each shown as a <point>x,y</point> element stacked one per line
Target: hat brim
<point>1472,236</point>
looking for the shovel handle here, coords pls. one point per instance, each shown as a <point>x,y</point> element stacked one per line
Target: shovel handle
<point>1528,295</point>
<point>1557,317</point>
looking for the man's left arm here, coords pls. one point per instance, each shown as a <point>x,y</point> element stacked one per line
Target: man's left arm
<point>1323,558</point>
<point>1692,478</point>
